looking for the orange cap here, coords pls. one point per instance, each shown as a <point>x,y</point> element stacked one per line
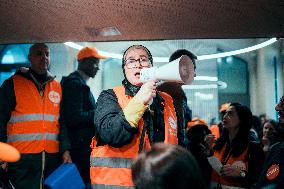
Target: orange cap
<point>8,153</point>
<point>224,107</point>
<point>196,121</point>
<point>87,52</point>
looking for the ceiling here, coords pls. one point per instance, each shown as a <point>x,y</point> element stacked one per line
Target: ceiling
<point>89,20</point>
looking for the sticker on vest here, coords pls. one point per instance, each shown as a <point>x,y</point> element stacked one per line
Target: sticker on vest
<point>172,122</point>
<point>272,172</point>
<point>54,97</point>
<point>240,165</point>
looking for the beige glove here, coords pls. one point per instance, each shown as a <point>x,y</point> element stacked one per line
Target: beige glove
<point>147,92</point>
<point>135,109</point>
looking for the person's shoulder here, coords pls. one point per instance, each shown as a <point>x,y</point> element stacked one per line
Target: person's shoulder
<point>72,79</point>
<point>277,146</point>
<point>107,92</point>
<point>7,83</point>
<point>106,96</point>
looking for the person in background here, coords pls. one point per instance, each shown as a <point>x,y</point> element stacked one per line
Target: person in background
<point>268,136</point>
<point>256,129</point>
<point>197,131</point>
<point>184,114</point>
<point>129,119</point>
<point>167,166</point>
<point>78,109</point>
<point>241,158</point>
<point>216,130</point>
<point>263,118</point>
<point>272,175</point>
<point>29,121</point>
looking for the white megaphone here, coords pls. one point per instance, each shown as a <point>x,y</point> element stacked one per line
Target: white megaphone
<point>180,70</point>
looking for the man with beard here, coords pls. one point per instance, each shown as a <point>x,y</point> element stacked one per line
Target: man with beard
<point>78,107</point>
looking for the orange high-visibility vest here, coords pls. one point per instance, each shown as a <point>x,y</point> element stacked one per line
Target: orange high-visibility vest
<point>33,126</point>
<point>215,131</point>
<point>111,166</point>
<point>231,160</point>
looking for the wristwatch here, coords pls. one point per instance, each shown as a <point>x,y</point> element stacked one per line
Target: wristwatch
<point>243,173</point>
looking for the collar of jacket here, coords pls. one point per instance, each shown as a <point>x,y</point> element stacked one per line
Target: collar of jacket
<point>26,72</point>
<point>130,89</point>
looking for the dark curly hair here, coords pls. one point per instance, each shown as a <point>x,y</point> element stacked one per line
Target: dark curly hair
<point>241,140</point>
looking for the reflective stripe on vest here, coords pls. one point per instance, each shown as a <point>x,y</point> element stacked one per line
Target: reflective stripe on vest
<point>102,186</point>
<point>32,117</point>
<point>33,126</point>
<point>30,137</point>
<point>111,167</point>
<point>111,162</point>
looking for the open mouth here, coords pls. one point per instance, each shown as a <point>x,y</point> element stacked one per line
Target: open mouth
<point>137,74</point>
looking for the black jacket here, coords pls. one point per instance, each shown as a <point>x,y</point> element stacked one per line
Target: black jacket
<point>77,108</point>
<point>8,104</point>
<point>274,157</point>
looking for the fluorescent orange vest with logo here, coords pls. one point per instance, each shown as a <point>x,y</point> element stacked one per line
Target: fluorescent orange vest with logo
<point>33,126</point>
<point>111,167</point>
<point>231,160</point>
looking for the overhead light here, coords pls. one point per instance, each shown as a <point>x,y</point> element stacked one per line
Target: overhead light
<point>209,86</point>
<point>204,96</point>
<point>202,57</point>
<point>222,84</point>
<point>107,31</point>
<point>219,85</point>
<point>111,55</point>
<point>229,59</point>
<point>240,51</point>
<point>206,78</point>
<point>74,45</point>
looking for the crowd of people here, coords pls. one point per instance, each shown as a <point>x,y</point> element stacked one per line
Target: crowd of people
<point>137,135</point>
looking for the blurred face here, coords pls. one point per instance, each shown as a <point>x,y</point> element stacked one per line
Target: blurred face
<point>39,59</point>
<point>267,130</point>
<point>280,109</point>
<point>90,66</point>
<point>231,119</point>
<point>135,60</point>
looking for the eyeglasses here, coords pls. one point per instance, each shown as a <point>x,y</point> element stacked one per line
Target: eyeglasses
<point>135,63</point>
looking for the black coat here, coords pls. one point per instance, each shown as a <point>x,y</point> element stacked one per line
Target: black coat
<point>274,157</point>
<point>77,111</point>
<point>77,108</point>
